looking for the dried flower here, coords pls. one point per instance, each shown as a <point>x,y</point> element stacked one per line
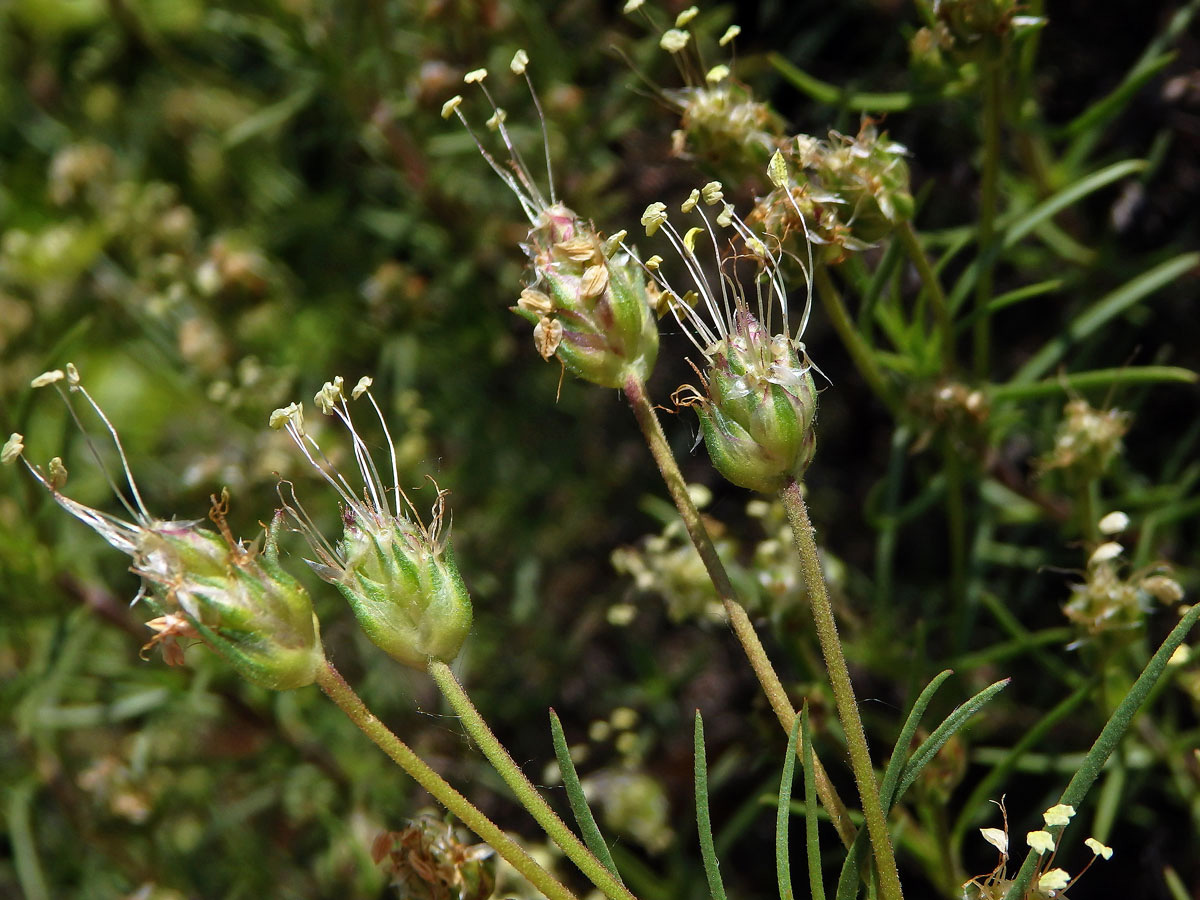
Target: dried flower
<point>847,192</point>
<point>398,574</point>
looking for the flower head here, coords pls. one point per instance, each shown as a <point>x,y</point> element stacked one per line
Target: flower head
<point>587,300</point>
<point>234,597</point>
<point>848,193</point>
<point>759,399</point>
<point>397,573</point>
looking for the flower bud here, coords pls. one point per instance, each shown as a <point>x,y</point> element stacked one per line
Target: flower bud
<point>243,603</point>
<point>405,590</point>
<point>398,575</point>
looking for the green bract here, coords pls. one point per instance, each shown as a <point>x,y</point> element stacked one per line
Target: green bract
<point>404,589</point>
<point>758,416</point>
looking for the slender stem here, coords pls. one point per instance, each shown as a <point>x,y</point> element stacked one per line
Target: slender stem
<point>843,690</point>
<point>526,793</point>
<point>941,309</point>
<point>992,100</point>
<point>335,686</point>
<point>859,352</point>
<point>739,621</point>
<point>956,524</point>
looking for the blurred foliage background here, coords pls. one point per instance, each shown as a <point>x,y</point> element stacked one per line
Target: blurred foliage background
<point>212,208</point>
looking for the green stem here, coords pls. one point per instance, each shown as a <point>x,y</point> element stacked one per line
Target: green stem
<point>739,621</point>
<point>956,527</point>
<point>525,792</point>
<point>335,686</point>
<point>992,100</point>
<point>843,690</point>
<point>859,352</point>
<point>941,309</point>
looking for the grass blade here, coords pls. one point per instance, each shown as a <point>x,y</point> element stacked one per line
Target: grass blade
<point>579,805</point>
<point>783,869</point>
<point>712,866</point>
<point>1097,378</point>
<point>1109,737</point>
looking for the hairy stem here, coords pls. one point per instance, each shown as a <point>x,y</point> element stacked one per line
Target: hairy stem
<point>843,691</point>
<point>522,787</point>
<point>933,286</point>
<point>643,409</point>
<point>335,686</point>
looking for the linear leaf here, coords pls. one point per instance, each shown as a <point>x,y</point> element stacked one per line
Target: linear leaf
<point>712,866</point>
<point>1097,378</point>
<point>891,775</point>
<point>1114,729</point>
<point>579,805</point>
<point>812,841</point>
<point>1073,193</point>
<point>783,814</point>
<point>1103,310</point>
<point>952,723</point>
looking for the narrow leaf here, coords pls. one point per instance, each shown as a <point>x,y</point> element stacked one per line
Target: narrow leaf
<point>783,814</point>
<point>952,723</point>
<point>824,92</point>
<point>1102,311</point>
<point>1110,736</point>
<point>579,805</point>
<point>816,886</point>
<point>1069,195</point>
<point>712,867</point>
<point>847,880</point>
<point>1097,378</point>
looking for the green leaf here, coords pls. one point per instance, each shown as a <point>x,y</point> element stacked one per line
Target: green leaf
<point>1097,378</point>
<point>712,866</point>
<point>824,92</point>
<point>783,814</point>
<point>579,805</point>
<point>1056,203</point>
<point>848,879</point>
<point>816,886</point>
<point>1109,737</point>
<point>952,723</point>
<point>1102,311</point>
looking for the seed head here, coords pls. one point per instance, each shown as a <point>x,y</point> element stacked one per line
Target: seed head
<point>398,575</point>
